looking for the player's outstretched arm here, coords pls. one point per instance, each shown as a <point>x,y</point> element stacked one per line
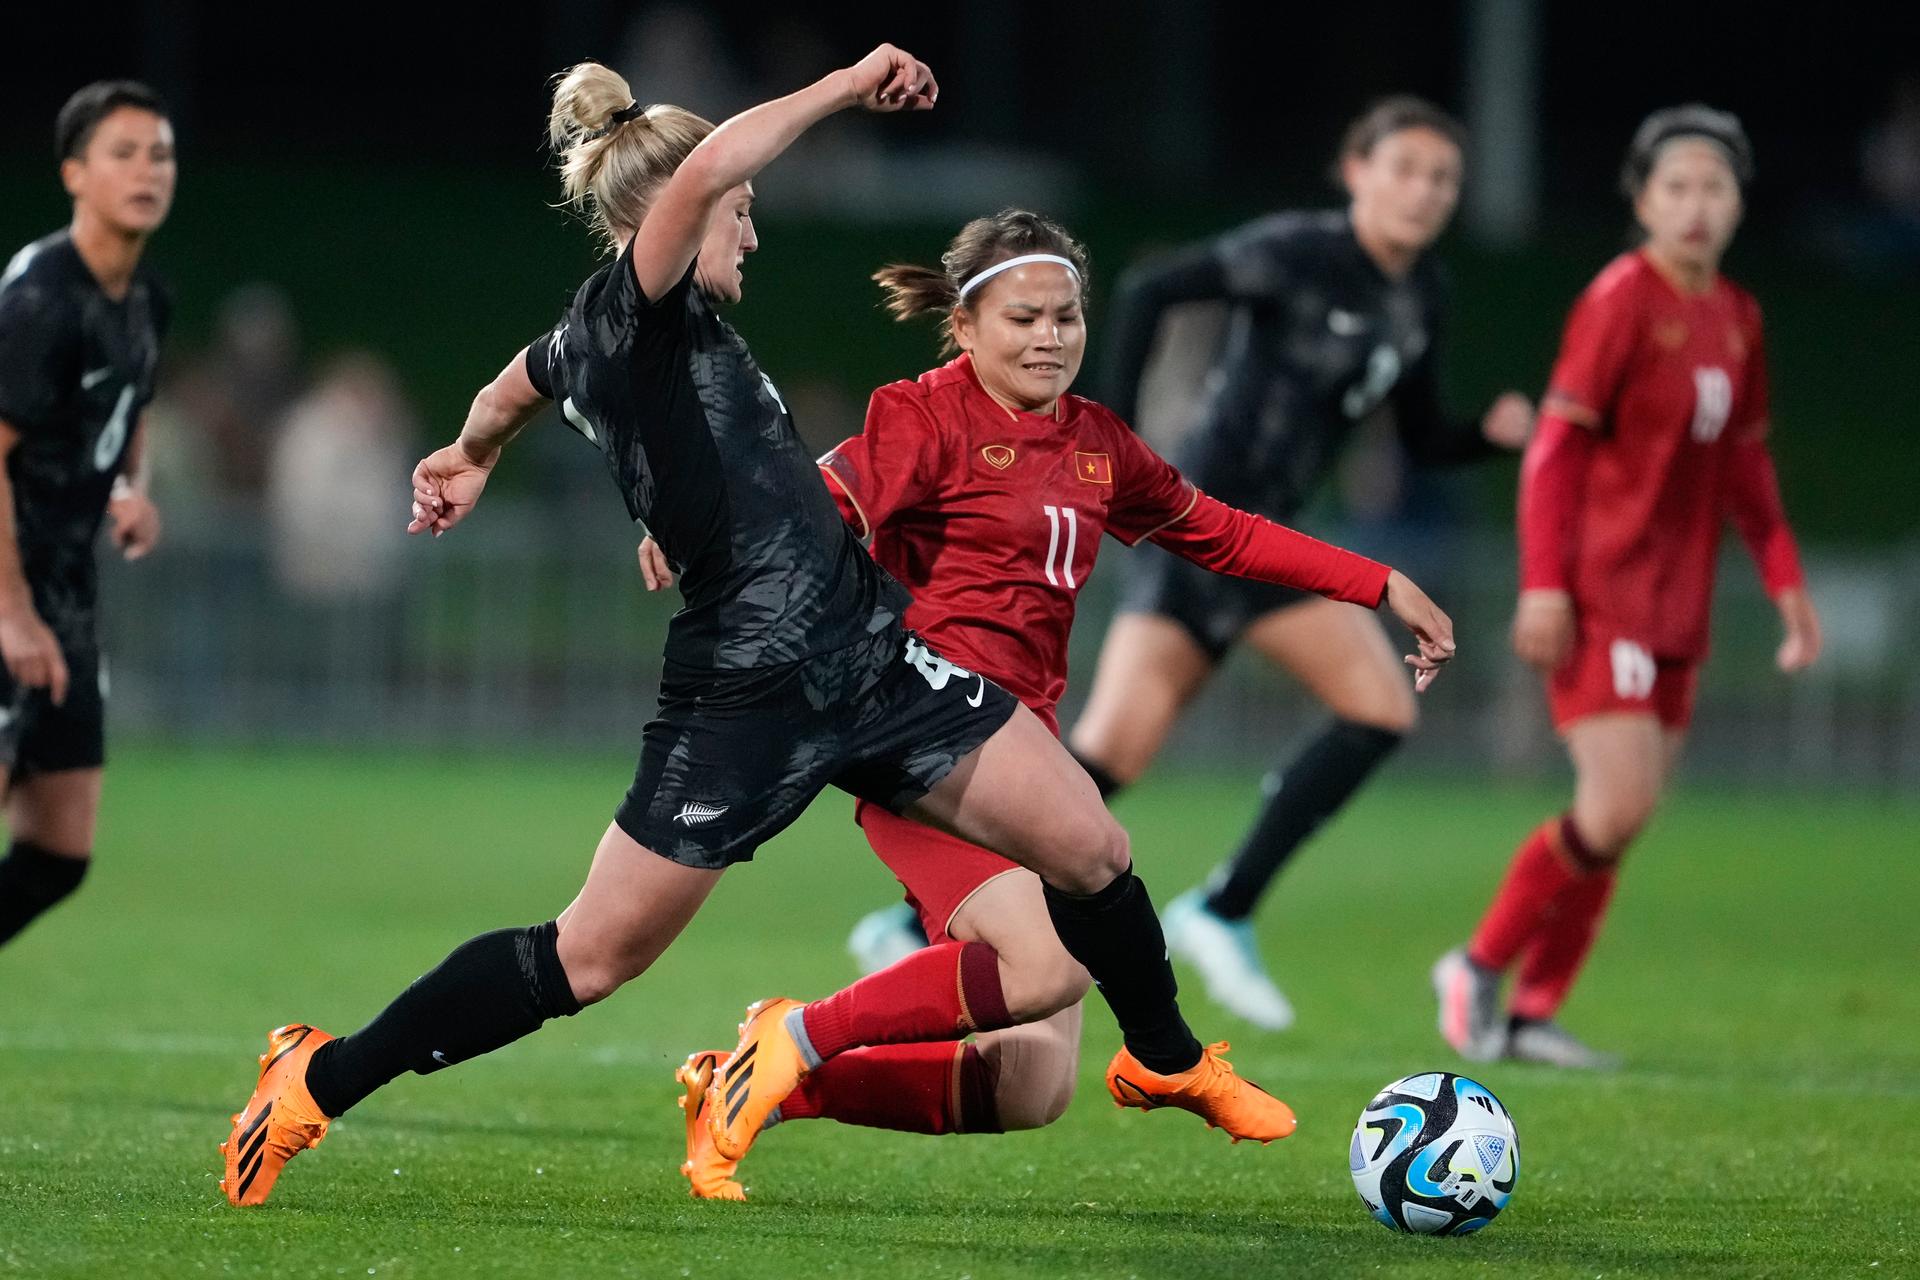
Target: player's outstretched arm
<point>888,79</point>
<point>28,645</point>
<point>1227,540</point>
<point>1432,628</point>
<point>447,482</point>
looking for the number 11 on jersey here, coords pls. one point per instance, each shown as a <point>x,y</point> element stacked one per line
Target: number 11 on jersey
<point>1057,517</point>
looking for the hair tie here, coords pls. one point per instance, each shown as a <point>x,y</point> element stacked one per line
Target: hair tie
<point>632,111</point>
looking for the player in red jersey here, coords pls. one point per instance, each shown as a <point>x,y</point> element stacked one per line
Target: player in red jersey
<point>1652,435</point>
<point>985,488</point>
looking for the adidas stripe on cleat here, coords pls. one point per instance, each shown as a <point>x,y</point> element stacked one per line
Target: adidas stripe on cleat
<point>708,1173</point>
<point>749,1085</point>
<point>279,1121</point>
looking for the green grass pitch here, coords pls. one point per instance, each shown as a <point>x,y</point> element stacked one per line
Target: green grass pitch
<point>1759,972</point>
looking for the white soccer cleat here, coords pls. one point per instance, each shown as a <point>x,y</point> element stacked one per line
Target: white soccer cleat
<point>885,937</point>
<point>1469,997</point>
<point>1225,953</point>
<point>1551,1044</point>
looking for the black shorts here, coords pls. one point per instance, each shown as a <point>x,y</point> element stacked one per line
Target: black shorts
<point>1212,607</point>
<point>38,737</point>
<point>734,757</point>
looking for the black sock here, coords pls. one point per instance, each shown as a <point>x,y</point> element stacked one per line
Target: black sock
<point>489,992</point>
<point>1106,782</point>
<point>32,879</point>
<point>1318,782</point>
<point>1116,935</point>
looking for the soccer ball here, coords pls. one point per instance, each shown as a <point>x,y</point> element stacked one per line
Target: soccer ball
<point>1435,1154</point>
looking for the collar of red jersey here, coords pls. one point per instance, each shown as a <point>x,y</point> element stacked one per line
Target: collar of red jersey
<point>964,361</point>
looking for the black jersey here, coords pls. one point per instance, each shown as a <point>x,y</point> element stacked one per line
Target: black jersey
<point>76,369</point>
<point>705,453</point>
<point>1320,338</point>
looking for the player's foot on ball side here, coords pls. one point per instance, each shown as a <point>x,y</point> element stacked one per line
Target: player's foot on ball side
<point>709,1172</point>
<point>279,1121</point>
<point>1228,958</point>
<point>1549,1043</point>
<point>1211,1089</point>
<point>1469,997</point>
<point>762,1071</point>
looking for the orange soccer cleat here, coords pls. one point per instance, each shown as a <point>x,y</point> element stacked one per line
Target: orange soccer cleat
<point>279,1121</point>
<point>709,1172</point>
<point>1210,1089</point>
<point>762,1071</point>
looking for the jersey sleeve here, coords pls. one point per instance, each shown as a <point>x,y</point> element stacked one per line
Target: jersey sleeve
<point>895,462</point>
<point>1152,500</point>
<point>1553,475</point>
<point>540,359</point>
<point>1594,352</point>
<point>1246,262</point>
<point>1149,492</point>
<point>1255,260</point>
<point>1240,544</point>
<point>1753,491</point>
<point>39,355</point>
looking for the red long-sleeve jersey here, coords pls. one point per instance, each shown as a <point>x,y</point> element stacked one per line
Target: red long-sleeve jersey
<point>992,519</point>
<point>1652,434</point>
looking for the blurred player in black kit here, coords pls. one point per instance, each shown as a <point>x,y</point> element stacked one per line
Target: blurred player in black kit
<point>81,322</point>
<point>1334,315</point>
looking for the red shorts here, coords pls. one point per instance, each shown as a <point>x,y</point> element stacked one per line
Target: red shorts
<point>940,871</point>
<point>1605,674</point>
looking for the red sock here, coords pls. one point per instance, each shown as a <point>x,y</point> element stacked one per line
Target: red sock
<point>937,993</point>
<point>914,1088</point>
<point>1544,865</point>
<point>1557,954</point>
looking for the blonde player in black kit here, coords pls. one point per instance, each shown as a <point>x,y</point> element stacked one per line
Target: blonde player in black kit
<point>80,327</point>
<point>787,670</point>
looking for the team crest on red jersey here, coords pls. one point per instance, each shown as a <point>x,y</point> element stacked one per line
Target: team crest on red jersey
<point>1094,468</point>
<point>998,456</point>
<point>1671,334</point>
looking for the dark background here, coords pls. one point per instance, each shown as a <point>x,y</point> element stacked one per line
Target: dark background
<point>384,165</point>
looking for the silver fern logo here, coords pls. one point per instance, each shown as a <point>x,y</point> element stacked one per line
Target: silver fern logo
<point>695,814</point>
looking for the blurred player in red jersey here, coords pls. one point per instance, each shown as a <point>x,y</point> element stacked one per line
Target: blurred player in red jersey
<point>1653,433</point>
<point>985,488</point>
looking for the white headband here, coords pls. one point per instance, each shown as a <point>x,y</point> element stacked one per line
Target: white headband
<point>1011,263</point>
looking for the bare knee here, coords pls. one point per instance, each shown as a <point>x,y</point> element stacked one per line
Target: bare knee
<point>1036,1068</point>
<point>594,971</point>
<point>1608,826</point>
<point>1096,854</point>
<point>1043,983</point>
<point>1387,705</point>
<point>1121,759</point>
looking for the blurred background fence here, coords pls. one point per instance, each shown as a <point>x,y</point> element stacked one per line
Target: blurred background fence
<point>529,627</point>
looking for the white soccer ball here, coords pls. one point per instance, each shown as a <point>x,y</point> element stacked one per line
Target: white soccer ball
<point>1435,1154</point>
